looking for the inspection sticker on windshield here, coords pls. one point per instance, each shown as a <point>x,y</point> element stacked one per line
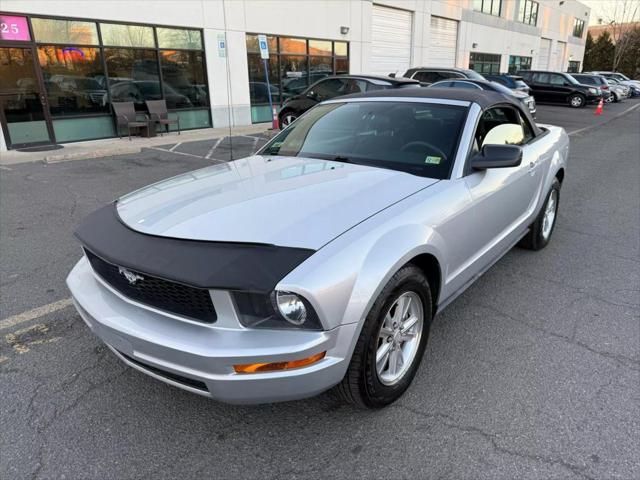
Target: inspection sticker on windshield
<point>433,160</point>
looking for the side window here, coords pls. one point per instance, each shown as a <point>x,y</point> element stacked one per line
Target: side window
<point>374,86</point>
<point>427,77</point>
<point>467,85</point>
<point>326,89</point>
<point>556,79</point>
<point>541,77</point>
<point>443,85</point>
<point>355,86</point>
<point>499,126</point>
<point>448,75</point>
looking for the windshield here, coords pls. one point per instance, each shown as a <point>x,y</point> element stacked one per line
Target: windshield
<point>473,75</point>
<point>521,84</point>
<point>572,80</point>
<point>418,138</point>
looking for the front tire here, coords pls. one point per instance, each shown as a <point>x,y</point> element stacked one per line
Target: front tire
<point>391,344</point>
<point>287,118</point>
<point>541,230</point>
<point>577,101</point>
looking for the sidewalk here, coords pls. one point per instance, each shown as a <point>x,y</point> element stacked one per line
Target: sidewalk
<point>116,146</point>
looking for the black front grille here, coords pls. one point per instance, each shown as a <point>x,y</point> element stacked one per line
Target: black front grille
<point>191,302</point>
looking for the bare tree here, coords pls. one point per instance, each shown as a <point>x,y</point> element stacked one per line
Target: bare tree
<point>623,13</point>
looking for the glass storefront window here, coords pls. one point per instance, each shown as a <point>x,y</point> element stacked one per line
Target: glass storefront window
<point>184,79</point>
<point>517,63</point>
<point>71,79</point>
<point>117,35</point>
<point>47,30</point>
<point>342,65</point>
<point>320,47</point>
<point>484,62</point>
<point>293,45</point>
<point>341,49</point>
<point>294,65</point>
<point>319,67</point>
<point>179,38</point>
<point>257,83</point>
<point>293,75</point>
<point>133,75</point>
<point>253,47</point>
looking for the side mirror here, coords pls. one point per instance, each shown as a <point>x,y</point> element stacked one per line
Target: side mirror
<point>504,134</point>
<point>313,96</point>
<point>497,156</point>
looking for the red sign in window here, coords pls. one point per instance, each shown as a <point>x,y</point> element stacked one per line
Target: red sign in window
<point>14,28</point>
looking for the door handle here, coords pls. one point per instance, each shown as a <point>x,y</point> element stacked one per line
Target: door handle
<point>43,100</point>
<point>532,168</point>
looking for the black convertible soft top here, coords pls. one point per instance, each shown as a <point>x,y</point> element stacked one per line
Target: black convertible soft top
<point>484,98</point>
<point>200,264</point>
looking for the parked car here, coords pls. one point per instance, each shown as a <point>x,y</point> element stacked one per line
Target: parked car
<point>634,85</point>
<point>428,75</point>
<point>600,82</point>
<point>623,90</point>
<point>335,86</point>
<point>527,100</point>
<point>556,87</point>
<point>514,82</point>
<point>321,260</point>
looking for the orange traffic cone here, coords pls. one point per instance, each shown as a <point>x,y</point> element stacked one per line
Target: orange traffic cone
<point>599,108</point>
<point>275,124</point>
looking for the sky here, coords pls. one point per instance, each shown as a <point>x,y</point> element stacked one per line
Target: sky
<point>605,8</point>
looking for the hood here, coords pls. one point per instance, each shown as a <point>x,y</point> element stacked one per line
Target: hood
<point>520,94</point>
<point>285,201</point>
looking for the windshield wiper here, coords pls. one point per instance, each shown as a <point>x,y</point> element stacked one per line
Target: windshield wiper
<point>341,158</point>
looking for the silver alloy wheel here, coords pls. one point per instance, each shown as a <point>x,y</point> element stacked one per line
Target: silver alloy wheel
<point>610,99</point>
<point>549,214</point>
<point>576,101</point>
<point>399,338</point>
<point>288,119</point>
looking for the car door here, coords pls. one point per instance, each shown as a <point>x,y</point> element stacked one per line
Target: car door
<point>541,87</point>
<point>559,87</point>
<point>503,199</point>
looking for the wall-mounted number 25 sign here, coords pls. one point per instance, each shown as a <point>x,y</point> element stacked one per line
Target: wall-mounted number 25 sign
<point>14,28</point>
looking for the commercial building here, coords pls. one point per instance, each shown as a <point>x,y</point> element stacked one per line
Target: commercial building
<point>63,63</point>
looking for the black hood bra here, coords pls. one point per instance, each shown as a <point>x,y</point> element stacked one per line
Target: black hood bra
<point>201,264</point>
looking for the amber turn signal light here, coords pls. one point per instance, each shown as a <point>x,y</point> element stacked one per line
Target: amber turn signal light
<point>270,367</point>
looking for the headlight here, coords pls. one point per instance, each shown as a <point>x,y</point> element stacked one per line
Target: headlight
<point>275,310</point>
<point>593,91</point>
<point>291,307</point>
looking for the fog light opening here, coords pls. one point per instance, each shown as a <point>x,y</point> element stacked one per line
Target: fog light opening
<point>273,366</point>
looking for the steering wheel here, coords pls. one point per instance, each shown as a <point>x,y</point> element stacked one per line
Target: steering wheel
<point>418,143</point>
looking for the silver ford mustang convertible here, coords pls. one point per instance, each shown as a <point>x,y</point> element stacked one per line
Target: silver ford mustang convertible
<point>320,261</point>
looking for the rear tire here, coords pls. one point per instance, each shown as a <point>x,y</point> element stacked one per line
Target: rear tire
<point>577,101</point>
<point>540,231</point>
<point>364,384</point>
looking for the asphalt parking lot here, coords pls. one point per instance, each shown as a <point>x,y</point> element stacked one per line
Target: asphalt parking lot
<point>532,373</point>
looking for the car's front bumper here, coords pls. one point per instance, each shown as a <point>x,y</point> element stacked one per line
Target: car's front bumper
<point>200,357</point>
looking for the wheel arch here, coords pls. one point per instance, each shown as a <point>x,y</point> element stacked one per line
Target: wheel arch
<point>430,266</point>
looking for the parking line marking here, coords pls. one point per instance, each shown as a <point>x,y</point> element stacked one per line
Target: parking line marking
<point>176,153</point>
<point>589,127</point>
<point>215,145</point>
<point>34,313</point>
<point>175,146</point>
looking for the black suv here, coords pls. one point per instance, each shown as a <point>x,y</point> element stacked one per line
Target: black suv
<point>335,86</point>
<point>556,87</point>
<point>428,75</point>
